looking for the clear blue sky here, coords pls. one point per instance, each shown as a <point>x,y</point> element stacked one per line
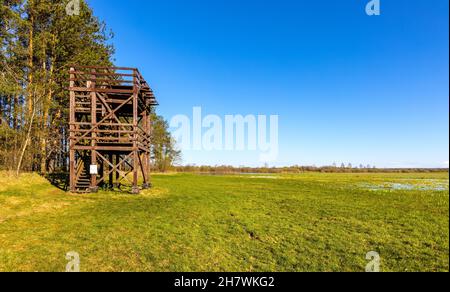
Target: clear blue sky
<point>347,87</point>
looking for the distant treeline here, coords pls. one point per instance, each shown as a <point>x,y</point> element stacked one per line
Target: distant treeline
<point>299,169</point>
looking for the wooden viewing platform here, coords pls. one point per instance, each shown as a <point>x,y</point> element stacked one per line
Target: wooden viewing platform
<point>110,128</point>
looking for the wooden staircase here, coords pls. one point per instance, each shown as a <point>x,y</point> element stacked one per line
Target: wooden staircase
<point>83,181</point>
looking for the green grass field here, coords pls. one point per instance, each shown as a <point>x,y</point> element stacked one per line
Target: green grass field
<point>305,222</point>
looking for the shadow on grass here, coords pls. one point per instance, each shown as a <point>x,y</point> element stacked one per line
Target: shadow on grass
<point>62,182</point>
<point>59,180</point>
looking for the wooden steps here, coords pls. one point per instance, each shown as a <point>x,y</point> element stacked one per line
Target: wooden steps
<point>83,184</point>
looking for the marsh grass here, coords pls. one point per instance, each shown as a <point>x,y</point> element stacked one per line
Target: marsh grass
<point>305,222</point>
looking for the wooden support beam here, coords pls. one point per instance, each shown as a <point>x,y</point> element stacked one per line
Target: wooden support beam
<point>72,135</point>
<point>94,187</point>
<point>135,151</point>
<point>104,90</point>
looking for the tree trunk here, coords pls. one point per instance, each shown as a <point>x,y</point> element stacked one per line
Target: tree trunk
<point>27,141</point>
<point>45,117</point>
<point>15,112</point>
<point>2,106</point>
<point>30,57</point>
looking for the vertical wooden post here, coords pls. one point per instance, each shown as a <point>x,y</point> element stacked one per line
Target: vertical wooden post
<point>102,170</point>
<point>150,133</point>
<point>117,170</point>
<point>145,154</point>
<point>94,187</point>
<point>110,158</point>
<point>135,189</point>
<point>72,106</point>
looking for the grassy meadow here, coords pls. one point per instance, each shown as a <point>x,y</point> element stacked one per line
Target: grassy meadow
<point>187,222</point>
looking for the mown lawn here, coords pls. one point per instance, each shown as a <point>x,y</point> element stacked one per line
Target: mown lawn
<point>305,222</point>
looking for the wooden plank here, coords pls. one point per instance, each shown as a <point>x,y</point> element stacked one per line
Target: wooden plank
<point>102,90</point>
<point>110,139</point>
<point>104,67</point>
<point>103,74</point>
<point>102,124</point>
<point>104,148</point>
<point>102,81</point>
<point>106,131</point>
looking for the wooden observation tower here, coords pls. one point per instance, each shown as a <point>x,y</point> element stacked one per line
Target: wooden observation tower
<point>110,129</point>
